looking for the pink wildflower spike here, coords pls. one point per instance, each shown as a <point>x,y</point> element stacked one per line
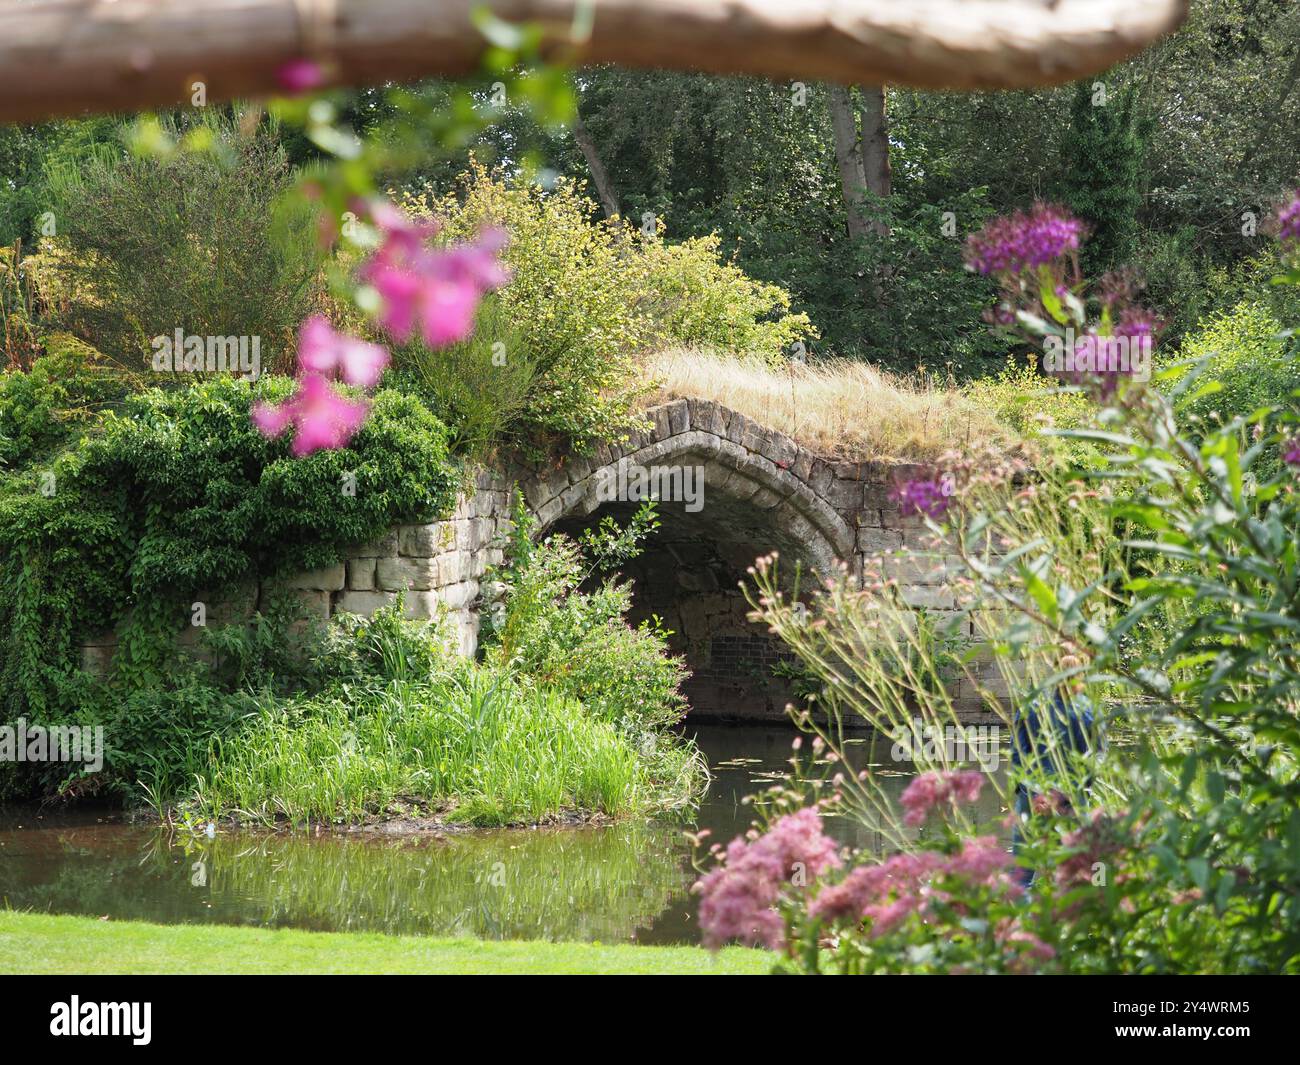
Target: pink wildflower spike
<point>932,790</point>
<point>300,75</point>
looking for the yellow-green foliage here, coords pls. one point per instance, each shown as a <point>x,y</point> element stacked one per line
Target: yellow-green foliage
<point>1243,351</point>
<point>587,295</point>
<point>1030,404</point>
<point>699,301</point>
<point>566,294</point>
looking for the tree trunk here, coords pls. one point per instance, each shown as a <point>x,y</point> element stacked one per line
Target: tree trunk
<point>848,157</point>
<point>599,175</point>
<point>875,149</point>
<point>65,57</point>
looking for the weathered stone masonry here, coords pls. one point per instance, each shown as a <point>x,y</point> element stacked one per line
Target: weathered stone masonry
<point>762,492</point>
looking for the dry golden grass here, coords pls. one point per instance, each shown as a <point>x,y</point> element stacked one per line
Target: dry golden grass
<point>844,409</point>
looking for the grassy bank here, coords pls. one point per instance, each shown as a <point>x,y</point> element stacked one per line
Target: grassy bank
<point>40,943</point>
<point>474,744</point>
<point>822,406</point>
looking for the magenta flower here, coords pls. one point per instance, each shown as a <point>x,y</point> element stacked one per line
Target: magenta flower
<point>927,496</point>
<point>1014,243</point>
<point>1291,451</point>
<point>300,75</point>
<point>322,419</point>
<point>738,898</point>
<point>323,351</point>
<point>932,790</point>
<point>1288,223</point>
<point>438,289</point>
<point>1100,362</point>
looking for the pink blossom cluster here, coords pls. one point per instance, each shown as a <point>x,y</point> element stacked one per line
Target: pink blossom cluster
<point>1012,244</point>
<point>1023,944</point>
<point>887,893</point>
<point>1094,843</point>
<point>738,897</point>
<point>933,790</point>
<point>437,288</point>
<point>321,417</point>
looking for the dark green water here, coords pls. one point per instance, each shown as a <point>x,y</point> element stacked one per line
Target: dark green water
<point>625,883</point>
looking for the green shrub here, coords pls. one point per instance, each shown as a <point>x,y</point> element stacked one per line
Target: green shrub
<point>578,641</point>
<point>693,299</point>
<point>192,240</point>
<point>481,388</point>
<point>568,297</point>
<point>584,299</point>
<point>1031,404</point>
<point>176,495</point>
<point>41,408</point>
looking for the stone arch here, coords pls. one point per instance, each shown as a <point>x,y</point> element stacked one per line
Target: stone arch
<point>761,492</point>
<point>742,461</point>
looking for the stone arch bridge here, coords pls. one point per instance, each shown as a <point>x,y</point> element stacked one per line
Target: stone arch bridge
<point>735,490</point>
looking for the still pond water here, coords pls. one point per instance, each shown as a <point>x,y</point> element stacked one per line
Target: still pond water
<point>623,883</point>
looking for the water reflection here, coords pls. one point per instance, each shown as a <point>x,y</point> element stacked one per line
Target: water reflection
<point>628,882</point>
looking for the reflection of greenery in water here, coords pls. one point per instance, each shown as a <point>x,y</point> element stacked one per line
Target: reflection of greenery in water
<point>546,883</point>
<point>625,881</point>
<point>540,884</point>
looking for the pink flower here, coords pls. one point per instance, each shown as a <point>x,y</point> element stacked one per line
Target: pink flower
<point>931,790</point>
<point>1095,844</point>
<point>299,75</point>
<point>437,288</point>
<point>1022,945</point>
<point>323,351</point>
<point>852,895</point>
<point>1014,243</point>
<point>322,418</point>
<point>738,897</point>
<point>980,860</point>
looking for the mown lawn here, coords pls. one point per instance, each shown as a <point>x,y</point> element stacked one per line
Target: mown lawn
<point>39,943</point>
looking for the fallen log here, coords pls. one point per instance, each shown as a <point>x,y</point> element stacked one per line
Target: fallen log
<point>66,57</point>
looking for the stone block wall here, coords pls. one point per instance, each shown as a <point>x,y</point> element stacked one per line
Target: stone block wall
<point>763,491</point>
<point>438,564</point>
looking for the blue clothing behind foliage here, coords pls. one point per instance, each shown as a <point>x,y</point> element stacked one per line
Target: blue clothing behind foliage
<point>1065,724</point>
<point>1044,739</point>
